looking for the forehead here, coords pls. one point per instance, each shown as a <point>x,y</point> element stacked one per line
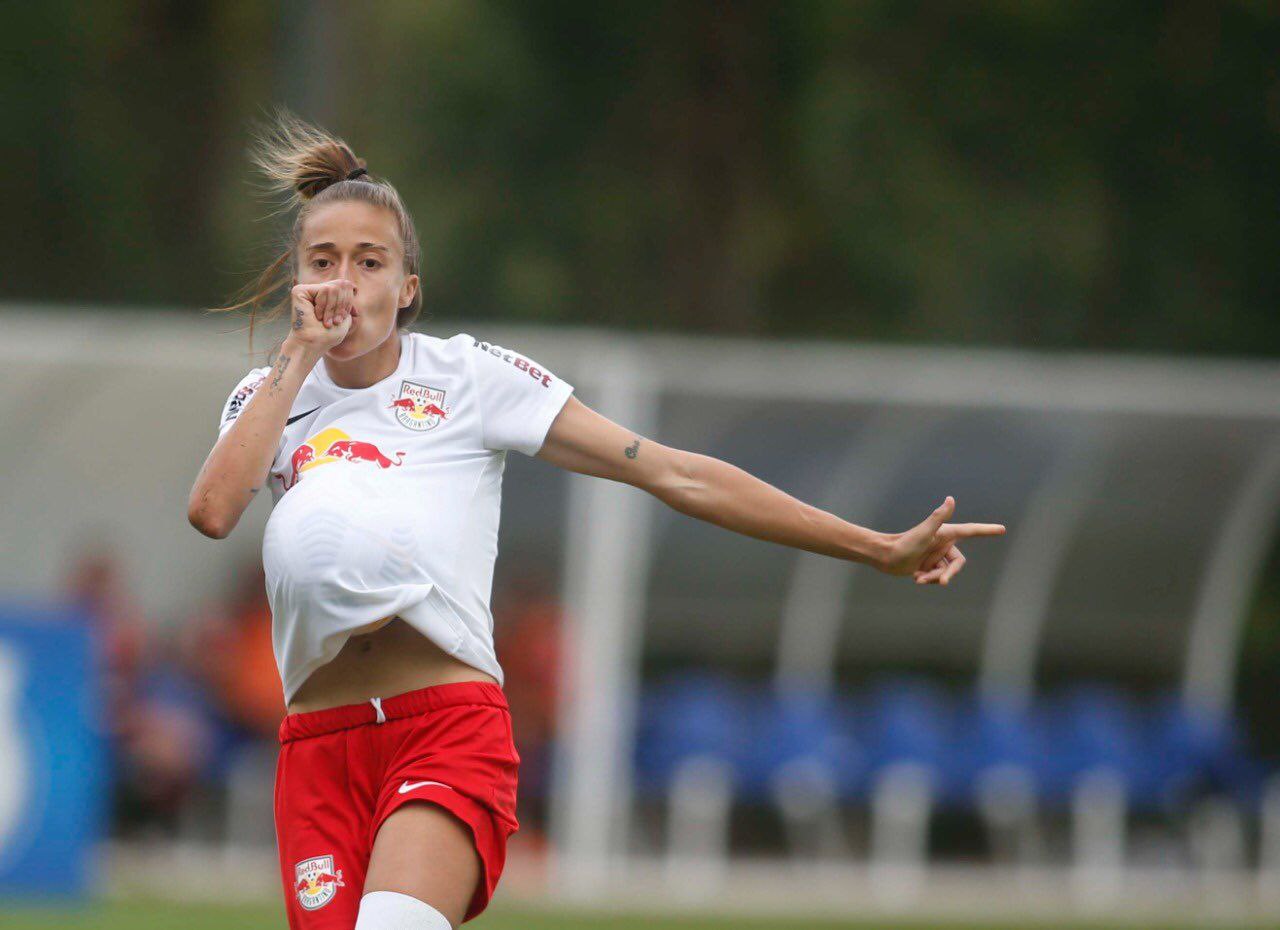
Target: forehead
<point>348,222</point>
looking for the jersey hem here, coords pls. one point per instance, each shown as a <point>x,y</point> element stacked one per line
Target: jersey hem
<point>425,614</point>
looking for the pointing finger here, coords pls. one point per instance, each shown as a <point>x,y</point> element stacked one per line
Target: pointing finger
<point>964,530</point>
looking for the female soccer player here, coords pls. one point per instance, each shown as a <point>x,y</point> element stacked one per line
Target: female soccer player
<point>384,451</point>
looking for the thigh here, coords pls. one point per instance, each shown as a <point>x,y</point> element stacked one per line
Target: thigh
<point>446,808</point>
<point>321,834</point>
<point>425,851</point>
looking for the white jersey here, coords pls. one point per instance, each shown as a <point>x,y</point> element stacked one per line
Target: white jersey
<point>386,498</point>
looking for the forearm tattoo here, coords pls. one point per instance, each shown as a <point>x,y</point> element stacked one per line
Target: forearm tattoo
<point>281,364</point>
<point>633,450</point>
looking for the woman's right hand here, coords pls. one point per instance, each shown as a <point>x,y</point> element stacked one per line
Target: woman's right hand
<point>322,312</point>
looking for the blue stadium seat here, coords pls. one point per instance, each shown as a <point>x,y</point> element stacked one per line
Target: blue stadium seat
<point>1089,727</point>
<point>1191,753</point>
<point>989,734</point>
<point>798,728</point>
<point>693,713</point>
<point>907,720</point>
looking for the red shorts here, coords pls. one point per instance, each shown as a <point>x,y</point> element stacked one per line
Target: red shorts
<point>340,774</point>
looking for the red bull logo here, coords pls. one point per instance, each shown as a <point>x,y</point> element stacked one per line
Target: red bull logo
<point>419,407</point>
<point>317,881</point>
<point>334,445</point>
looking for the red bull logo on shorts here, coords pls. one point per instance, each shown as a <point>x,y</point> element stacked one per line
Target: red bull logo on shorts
<point>317,881</point>
<point>419,406</point>
<point>334,445</point>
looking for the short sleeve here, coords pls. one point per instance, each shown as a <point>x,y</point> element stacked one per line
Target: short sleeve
<point>518,398</point>
<point>240,396</point>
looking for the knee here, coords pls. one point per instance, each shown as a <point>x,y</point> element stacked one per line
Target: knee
<point>391,910</point>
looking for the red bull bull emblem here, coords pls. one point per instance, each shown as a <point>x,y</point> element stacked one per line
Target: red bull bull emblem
<point>420,407</point>
<point>317,881</point>
<point>334,445</point>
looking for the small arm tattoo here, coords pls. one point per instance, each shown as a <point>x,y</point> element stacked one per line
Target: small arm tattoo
<point>281,365</point>
<point>633,450</point>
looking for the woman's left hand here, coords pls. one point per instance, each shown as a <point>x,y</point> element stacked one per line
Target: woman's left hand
<point>928,551</point>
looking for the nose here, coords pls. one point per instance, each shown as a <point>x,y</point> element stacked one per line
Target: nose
<point>347,270</point>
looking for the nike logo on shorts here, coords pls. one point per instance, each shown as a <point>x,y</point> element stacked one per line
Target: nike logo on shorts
<point>300,416</point>
<point>407,786</point>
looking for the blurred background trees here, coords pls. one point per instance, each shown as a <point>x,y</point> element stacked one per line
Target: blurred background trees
<point>1056,174</point>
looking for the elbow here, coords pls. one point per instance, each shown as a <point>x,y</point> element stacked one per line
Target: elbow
<point>210,524</point>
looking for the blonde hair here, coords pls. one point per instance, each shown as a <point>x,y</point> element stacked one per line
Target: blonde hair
<point>309,166</point>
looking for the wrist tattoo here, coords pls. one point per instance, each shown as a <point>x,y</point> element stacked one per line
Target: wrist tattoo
<point>281,365</point>
<point>633,450</point>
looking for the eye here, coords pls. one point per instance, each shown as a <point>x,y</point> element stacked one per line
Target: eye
<point>376,263</point>
<point>316,263</point>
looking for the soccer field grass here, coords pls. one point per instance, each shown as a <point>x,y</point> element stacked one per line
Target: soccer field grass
<point>153,916</point>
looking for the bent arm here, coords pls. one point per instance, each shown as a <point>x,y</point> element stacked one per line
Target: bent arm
<point>237,467</point>
<point>583,441</point>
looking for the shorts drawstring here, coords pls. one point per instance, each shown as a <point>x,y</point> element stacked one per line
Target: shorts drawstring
<point>306,724</point>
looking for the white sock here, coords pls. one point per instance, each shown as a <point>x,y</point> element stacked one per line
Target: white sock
<point>391,910</point>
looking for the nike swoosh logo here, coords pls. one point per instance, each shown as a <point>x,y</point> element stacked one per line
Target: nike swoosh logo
<point>407,787</point>
<point>300,416</point>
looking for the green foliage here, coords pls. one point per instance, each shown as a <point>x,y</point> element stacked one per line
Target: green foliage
<point>1059,173</point>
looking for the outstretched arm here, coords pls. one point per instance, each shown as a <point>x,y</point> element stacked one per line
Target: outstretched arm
<point>583,441</point>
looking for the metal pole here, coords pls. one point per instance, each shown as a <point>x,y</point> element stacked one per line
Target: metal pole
<point>809,632</point>
<point>1213,645</point>
<point>606,568</point>
<point>1037,548</point>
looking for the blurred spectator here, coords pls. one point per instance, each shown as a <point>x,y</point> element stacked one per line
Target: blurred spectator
<point>159,735</point>
<point>528,645</point>
<point>96,585</point>
<point>229,649</point>
<point>167,745</point>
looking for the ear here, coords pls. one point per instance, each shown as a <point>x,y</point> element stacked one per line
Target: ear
<point>408,290</point>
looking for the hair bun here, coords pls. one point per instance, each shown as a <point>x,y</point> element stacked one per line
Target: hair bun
<point>300,160</point>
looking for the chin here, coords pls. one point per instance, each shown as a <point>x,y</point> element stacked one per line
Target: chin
<point>344,350</point>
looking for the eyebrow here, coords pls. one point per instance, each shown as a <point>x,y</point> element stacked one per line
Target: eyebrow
<point>360,246</point>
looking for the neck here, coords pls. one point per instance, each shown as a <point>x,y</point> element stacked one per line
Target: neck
<point>368,369</point>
